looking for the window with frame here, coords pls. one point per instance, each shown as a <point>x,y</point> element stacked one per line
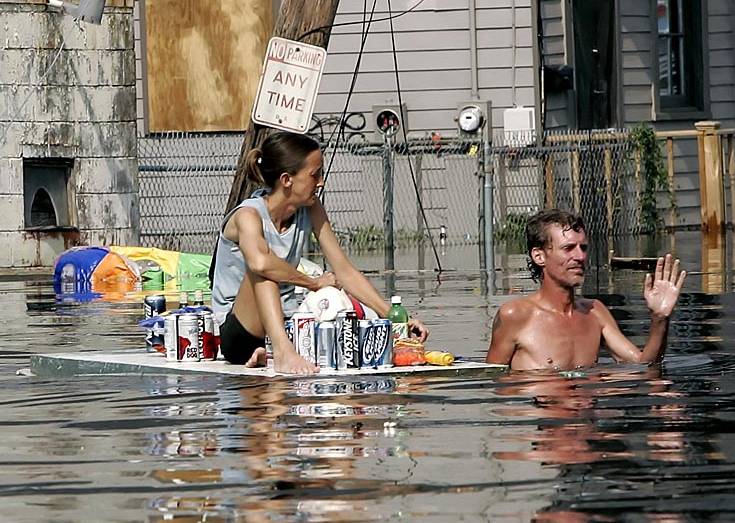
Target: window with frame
<point>680,54</point>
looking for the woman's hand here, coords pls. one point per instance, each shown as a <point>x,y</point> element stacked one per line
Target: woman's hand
<point>418,329</point>
<point>328,279</point>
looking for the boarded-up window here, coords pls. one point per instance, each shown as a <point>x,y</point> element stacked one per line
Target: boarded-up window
<point>203,62</point>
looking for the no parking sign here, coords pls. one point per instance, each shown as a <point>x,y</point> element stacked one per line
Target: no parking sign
<point>289,84</point>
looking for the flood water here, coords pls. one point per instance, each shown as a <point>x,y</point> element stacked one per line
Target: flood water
<point>615,443</point>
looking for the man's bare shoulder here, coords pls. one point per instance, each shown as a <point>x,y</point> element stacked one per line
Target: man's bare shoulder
<point>518,310</point>
<point>597,309</point>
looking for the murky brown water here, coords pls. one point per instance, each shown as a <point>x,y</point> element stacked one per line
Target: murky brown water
<point>618,443</point>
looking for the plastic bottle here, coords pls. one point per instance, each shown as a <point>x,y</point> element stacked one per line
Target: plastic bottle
<point>398,317</point>
<point>153,279</point>
<point>435,357</point>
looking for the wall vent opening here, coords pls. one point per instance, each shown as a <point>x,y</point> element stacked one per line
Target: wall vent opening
<point>45,192</point>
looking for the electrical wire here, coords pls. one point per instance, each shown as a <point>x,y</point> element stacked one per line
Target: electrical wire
<point>40,81</point>
<point>405,140</point>
<point>342,121</point>
<point>342,24</point>
<point>364,36</point>
<point>514,24</point>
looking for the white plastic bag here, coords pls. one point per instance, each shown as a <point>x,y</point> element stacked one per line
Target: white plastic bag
<point>326,303</point>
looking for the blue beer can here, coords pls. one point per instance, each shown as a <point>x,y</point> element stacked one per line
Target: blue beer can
<point>154,305</point>
<point>365,343</point>
<point>383,343</point>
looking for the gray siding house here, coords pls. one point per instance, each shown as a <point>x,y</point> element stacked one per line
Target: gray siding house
<point>448,52</point>
<point>667,62</point>
<point>581,64</point>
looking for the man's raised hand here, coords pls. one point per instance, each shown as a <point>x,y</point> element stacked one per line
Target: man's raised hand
<point>661,290</point>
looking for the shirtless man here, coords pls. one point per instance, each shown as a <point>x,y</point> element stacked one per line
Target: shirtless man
<point>553,328</point>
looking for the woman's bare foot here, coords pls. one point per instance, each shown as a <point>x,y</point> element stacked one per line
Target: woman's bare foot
<point>286,361</point>
<point>257,359</point>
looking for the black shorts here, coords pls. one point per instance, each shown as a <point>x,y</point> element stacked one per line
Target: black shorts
<point>236,343</point>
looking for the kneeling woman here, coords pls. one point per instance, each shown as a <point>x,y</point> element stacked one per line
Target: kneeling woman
<point>259,248</point>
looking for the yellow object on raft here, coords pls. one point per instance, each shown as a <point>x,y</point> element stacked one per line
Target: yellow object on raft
<point>436,357</point>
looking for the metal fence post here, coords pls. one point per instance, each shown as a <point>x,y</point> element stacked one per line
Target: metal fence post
<point>388,202</point>
<point>489,232</point>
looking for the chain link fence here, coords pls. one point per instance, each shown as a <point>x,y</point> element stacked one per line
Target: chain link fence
<point>593,174</point>
<point>437,194</point>
<point>185,179</point>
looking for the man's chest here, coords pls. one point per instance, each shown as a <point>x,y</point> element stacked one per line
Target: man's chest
<point>563,342</point>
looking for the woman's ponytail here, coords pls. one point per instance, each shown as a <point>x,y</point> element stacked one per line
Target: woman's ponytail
<point>253,161</point>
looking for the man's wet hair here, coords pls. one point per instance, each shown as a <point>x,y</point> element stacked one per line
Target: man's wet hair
<point>537,233</point>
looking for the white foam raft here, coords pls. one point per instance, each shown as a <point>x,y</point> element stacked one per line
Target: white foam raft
<point>139,362</point>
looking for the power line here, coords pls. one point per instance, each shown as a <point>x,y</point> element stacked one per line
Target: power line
<point>405,138</point>
<point>342,24</point>
<point>365,32</point>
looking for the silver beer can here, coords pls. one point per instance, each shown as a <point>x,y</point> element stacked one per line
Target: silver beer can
<point>326,345</point>
<point>268,347</point>
<point>171,337</point>
<point>188,336</point>
<point>303,335</point>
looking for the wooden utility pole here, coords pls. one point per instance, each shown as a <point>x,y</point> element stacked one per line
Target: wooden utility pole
<point>297,18</point>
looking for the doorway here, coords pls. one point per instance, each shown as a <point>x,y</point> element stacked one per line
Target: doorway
<point>594,56</point>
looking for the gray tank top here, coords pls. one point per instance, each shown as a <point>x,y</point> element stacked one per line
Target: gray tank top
<point>230,266</point>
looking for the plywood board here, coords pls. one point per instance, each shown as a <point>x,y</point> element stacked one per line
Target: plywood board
<point>203,61</point>
<point>141,362</point>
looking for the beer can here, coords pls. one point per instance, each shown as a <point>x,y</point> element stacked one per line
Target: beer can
<point>348,347</point>
<point>326,345</point>
<point>383,343</point>
<point>188,336</point>
<point>289,329</point>
<point>365,343</point>
<point>154,305</point>
<point>304,335</point>
<point>215,329</point>
<point>205,331</point>
<point>171,337</point>
<point>268,347</point>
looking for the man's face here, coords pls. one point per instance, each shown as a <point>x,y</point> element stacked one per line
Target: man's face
<point>564,258</point>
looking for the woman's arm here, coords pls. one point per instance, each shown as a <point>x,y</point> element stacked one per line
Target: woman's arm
<point>261,260</point>
<point>348,276</point>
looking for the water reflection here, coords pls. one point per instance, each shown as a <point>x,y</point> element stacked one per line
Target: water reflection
<point>624,423</point>
<point>619,443</point>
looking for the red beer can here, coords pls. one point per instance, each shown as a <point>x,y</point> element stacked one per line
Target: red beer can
<point>188,346</point>
<point>205,332</point>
